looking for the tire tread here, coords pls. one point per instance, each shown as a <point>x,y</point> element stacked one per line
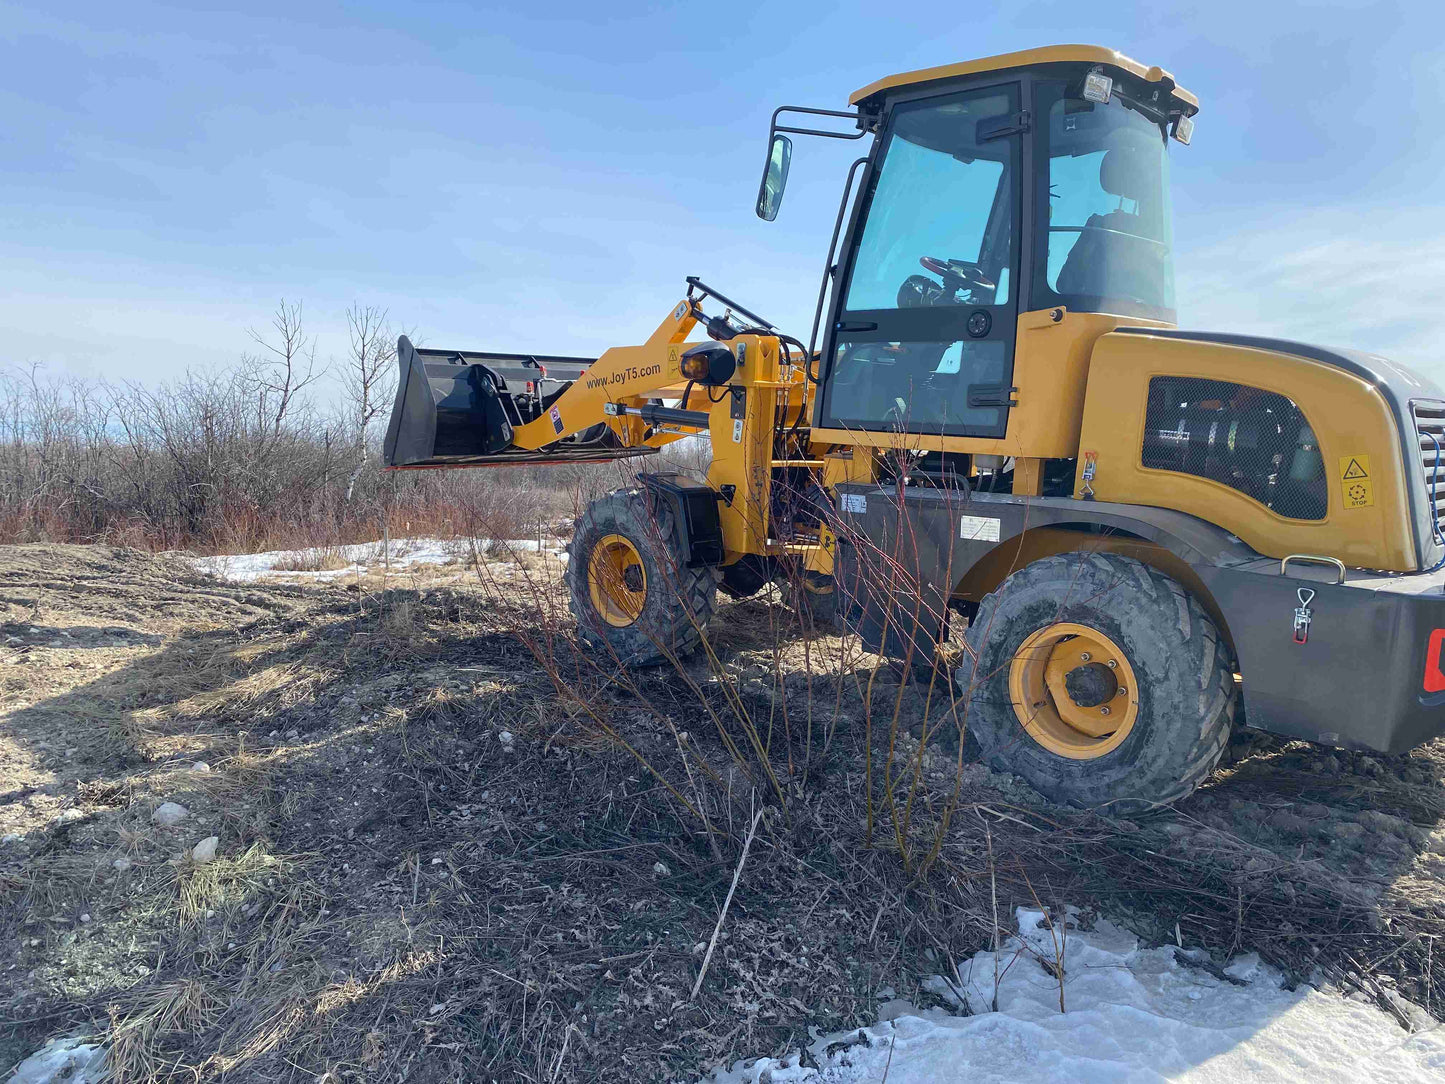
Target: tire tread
<point>1191,637</point>
<point>678,628</point>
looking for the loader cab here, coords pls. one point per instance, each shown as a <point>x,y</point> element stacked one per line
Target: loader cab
<point>994,190</point>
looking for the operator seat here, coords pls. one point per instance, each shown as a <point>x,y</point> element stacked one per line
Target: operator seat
<point>1113,257</point>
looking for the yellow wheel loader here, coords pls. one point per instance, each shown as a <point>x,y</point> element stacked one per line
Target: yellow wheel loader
<point>995,421</point>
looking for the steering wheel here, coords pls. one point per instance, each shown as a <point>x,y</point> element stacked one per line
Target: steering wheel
<point>919,291</point>
<point>863,358</point>
<point>958,274</point>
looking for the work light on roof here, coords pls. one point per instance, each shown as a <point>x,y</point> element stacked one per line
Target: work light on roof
<point>1098,87</point>
<point>1184,129</point>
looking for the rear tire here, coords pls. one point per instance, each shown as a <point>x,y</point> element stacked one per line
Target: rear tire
<point>630,590</point>
<point>1099,617</point>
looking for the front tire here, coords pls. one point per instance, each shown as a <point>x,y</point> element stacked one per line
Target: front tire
<point>813,597</point>
<point>630,590</point>
<point>1101,681</point>
<point>746,576</point>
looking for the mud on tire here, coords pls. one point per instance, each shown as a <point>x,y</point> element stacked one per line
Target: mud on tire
<point>678,602</point>
<point>1181,665</point>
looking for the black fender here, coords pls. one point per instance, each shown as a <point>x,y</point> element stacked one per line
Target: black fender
<point>905,551</point>
<point>695,517</point>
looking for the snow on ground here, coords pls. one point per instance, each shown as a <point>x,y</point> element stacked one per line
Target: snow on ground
<point>1132,1015</point>
<point>400,553</point>
<point>68,1060</point>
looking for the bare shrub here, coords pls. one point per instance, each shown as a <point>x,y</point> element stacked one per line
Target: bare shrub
<point>247,458</point>
<point>313,559</point>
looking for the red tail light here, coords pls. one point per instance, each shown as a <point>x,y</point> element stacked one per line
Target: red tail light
<point>1434,676</point>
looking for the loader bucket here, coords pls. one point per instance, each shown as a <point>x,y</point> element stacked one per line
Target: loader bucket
<point>444,407</point>
<point>459,408</point>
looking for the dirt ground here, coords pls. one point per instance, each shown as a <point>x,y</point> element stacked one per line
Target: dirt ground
<point>451,847</point>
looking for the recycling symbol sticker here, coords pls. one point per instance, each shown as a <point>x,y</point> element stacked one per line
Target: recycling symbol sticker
<point>1357,488</point>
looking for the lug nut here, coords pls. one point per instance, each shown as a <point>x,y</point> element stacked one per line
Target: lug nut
<point>1085,656</point>
<point>1104,710</point>
<point>1113,665</point>
<point>1122,691</point>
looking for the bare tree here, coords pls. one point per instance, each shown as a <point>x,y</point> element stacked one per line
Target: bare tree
<point>290,368</point>
<point>368,366</point>
<point>368,382</point>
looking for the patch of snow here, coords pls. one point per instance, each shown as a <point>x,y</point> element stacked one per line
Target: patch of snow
<point>1131,1014</point>
<point>398,554</point>
<point>68,1060</point>
<point>1245,968</point>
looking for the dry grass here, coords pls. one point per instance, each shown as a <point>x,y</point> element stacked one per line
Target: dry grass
<point>401,892</point>
<point>154,1018</point>
<point>314,559</point>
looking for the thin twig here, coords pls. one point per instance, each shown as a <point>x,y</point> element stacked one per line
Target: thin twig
<point>723,914</point>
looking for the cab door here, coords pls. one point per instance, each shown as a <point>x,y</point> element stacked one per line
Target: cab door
<point>922,336</point>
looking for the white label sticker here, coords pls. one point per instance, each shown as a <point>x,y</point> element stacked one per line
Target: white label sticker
<point>853,502</point>
<point>738,431</point>
<point>978,528</point>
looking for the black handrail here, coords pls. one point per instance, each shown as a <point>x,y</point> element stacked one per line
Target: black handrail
<point>828,267</point>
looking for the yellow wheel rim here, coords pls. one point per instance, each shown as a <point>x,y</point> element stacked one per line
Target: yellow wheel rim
<point>1073,691</point>
<point>617,580</point>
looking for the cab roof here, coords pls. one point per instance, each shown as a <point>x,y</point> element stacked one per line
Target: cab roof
<point>1048,54</point>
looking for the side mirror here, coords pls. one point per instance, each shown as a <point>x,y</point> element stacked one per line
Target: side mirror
<point>775,177</point>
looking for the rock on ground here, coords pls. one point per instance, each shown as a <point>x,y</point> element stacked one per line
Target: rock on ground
<point>205,850</point>
<point>169,814</point>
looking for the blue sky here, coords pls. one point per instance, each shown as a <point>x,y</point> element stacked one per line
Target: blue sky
<point>542,176</point>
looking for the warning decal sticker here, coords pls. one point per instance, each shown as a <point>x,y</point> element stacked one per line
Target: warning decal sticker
<point>556,416</point>
<point>1357,488</point>
<point>979,528</point>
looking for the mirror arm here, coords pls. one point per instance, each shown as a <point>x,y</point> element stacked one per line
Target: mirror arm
<point>817,132</point>
<point>865,123</point>
<point>860,118</point>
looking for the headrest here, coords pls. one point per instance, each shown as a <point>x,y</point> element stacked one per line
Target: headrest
<point>1123,172</point>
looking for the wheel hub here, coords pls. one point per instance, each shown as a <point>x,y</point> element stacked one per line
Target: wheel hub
<point>1073,690</point>
<point>617,580</point>
<point>1090,685</point>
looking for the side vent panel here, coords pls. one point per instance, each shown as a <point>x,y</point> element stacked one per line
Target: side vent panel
<point>1255,441</point>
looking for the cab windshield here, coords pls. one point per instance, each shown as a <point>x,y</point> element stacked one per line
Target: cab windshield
<point>1108,246</point>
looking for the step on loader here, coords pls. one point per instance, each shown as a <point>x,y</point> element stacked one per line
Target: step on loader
<point>1148,535</point>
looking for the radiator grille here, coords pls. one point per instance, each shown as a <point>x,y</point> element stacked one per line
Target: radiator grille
<point>1430,427</point>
